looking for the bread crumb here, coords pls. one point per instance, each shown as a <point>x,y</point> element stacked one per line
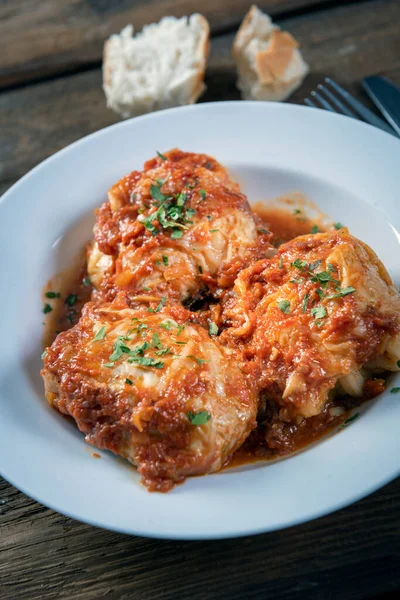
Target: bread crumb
<point>269,63</point>
<point>160,67</point>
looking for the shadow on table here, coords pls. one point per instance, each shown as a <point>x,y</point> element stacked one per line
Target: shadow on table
<point>221,85</point>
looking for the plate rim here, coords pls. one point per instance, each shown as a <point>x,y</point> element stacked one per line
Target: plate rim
<point>194,107</point>
<point>237,531</point>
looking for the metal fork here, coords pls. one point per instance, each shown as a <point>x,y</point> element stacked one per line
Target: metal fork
<point>336,104</point>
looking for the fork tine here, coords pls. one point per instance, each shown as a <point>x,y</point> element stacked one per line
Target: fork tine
<point>310,103</point>
<point>360,109</point>
<point>322,101</point>
<point>336,102</point>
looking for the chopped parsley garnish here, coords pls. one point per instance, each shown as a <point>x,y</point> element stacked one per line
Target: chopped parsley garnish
<point>52,294</point>
<point>305,300</point>
<point>203,194</point>
<point>338,226</point>
<point>209,217</point>
<point>71,299</point>
<point>161,304</point>
<point>47,308</point>
<point>263,230</point>
<point>395,390</point>
<point>156,342</point>
<point>140,349</point>
<point>342,292</point>
<point>296,211</point>
<point>86,281</point>
<point>319,312</point>
<point>163,351</point>
<point>299,264</point>
<point>190,212</point>
<point>350,420</point>
<point>146,361</point>
<point>43,354</point>
<point>146,289</point>
<point>284,306</point>
<point>128,381</point>
<point>295,280</point>
<point>161,156</point>
<point>120,348</point>
<point>199,361</point>
<point>199,418</point>
<point>168,325</point>
<point>136,355</point>
<point>213,230</point>
<point>170,212</point>
<point>180,201</point>
<point>180,343</point>
<point>323,278</point>
<point>100,335</point>
<point>165,260</point>
<point>200,268</point>
<point>314,229</point>
<point>280,262</point>
<point>180,329</point>
<point>212,328</point>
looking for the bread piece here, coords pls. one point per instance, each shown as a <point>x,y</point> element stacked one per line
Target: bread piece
<point>161,67</point>
<point>269,64</point>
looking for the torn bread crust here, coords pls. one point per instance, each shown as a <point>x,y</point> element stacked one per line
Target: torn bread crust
<point>269,64</point>
<point>272,63</point>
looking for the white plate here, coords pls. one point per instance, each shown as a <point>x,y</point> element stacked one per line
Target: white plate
<point>350,169</point>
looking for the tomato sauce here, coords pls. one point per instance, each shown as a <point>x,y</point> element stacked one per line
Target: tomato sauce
<point>285,224</point>
<point>293,440</point>
<point>66,293</point>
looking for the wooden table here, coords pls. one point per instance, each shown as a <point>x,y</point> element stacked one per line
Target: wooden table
<point>50,95</point>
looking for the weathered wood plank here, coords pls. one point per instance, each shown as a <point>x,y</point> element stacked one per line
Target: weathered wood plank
<point>41,37</point>
<point>350,555</point>
<point>38,120</point>
<point>353,554</point>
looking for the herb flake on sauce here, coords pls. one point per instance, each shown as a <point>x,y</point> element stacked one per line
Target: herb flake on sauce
<point>284,306</point>
<point>199,418</point>
<point>100,335</point>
